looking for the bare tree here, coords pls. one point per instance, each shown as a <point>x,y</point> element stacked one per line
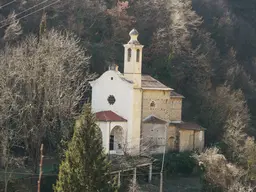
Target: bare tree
<point>241,147</point>
<point>121,20</point>
<point>41,85</point>
<point>250,154</point>
<point>134,187</point>
<point>220,173</point>
<point>234,137</point>
<point>13,31</point>
<point>184,23</point>
<point>9,139</point>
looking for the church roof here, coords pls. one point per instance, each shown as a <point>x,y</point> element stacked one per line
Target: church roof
<point>123,77</point>
<point>174,94</point>
<point>188,126</point>
<point>108,116</point>
<point>148,82</point>
<point>154,120</point>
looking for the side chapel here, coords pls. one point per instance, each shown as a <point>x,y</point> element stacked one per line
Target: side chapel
<point>137,113</point>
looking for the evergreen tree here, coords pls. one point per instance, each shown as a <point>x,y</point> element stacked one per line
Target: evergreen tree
<point>85,167</point>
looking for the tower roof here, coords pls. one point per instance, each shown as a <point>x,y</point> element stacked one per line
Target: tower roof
<point>134,37</point>
<point>134,32</point>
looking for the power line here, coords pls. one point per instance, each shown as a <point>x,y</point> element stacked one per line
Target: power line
<point>27,10</point>
<point>32,12</point>
<point>2,6</point>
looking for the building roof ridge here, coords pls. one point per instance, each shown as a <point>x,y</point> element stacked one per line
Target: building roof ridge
<point>108,115</point>
<point>154,119</point>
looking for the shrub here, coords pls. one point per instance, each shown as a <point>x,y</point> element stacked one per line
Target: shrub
<point>178,163</point>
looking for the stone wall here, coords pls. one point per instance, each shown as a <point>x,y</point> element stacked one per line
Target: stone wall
<point>175,109</point>
<point>156,102</point>
<point>159,103</point>
<point>199,140</point>
<point>186,140</point>
<point>171,137</point>
<point>154,140</point>
<point>191,140</point>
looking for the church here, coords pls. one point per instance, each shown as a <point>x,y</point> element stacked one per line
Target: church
<point>138,114</point>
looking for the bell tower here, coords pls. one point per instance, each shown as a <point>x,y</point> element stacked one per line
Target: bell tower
<point>132,72</point>
<point>133,59</point>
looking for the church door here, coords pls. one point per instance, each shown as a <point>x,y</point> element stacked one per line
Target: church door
<point>171,143</point>
<point>116,139</point>
<point>111,143</point>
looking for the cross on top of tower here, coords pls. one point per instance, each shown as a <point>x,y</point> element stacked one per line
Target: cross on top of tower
<point>134,37</point>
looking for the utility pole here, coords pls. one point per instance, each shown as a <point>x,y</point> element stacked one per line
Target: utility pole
<point>41,169</point>
<point>161,181</point>
<point>162,168</point>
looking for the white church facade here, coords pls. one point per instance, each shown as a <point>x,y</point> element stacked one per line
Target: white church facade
<point>137,113</point>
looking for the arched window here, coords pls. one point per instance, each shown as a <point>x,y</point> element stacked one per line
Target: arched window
<point>116,139</point>
<point>129,55</point>
<point>152,104</point>
<point>138,56</point>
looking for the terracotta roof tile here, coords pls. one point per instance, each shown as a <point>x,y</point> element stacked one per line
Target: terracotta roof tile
<point>148,82</point>
<point>108,116</point>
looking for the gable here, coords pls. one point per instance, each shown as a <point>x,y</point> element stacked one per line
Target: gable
<point>152,119</point>
<point>112,92</point>
<point>112,75</point>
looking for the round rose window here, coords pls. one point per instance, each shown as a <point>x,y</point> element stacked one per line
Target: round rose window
<point>111,100</point>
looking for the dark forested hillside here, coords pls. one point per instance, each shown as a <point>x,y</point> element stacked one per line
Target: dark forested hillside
<point>232,26</point>
<point>204,49</point>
